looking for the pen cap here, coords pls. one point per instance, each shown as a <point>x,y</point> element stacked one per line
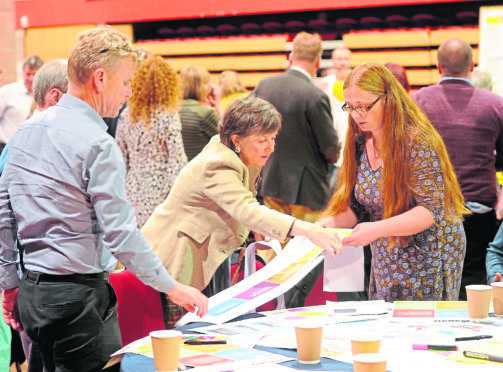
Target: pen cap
<point>497,291</point>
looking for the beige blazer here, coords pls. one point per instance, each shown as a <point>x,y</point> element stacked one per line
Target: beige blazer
<point>208,215</point>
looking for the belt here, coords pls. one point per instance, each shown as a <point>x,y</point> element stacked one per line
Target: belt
<point>41,277</point>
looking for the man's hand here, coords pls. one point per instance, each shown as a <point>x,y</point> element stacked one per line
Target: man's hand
<point>190,298</point>
<point>10,310</point>
<point>497,278</point>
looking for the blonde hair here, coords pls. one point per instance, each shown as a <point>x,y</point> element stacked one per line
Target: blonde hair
<point>102,47</point>
<point>230,83</point>
<point>155,88</point>
<point>404,124</point>
<point>194,81</point>
<point>307,47</point>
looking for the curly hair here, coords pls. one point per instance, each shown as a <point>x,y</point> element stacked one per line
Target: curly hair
<point>155,89</point>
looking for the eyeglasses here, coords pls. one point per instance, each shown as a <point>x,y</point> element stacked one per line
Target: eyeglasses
<point>359,109</point>
<point>129,50</point>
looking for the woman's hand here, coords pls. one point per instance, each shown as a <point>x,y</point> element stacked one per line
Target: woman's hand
<point>327,239</point>
<point>260,237</point>
<point>363,234</point>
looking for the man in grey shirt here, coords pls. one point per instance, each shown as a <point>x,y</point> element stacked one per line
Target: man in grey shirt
<point>63,202</point>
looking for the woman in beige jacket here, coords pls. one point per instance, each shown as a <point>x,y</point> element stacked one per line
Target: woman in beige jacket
<point>212,206</point>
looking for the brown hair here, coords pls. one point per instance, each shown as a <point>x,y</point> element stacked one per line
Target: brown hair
<point>307,47</point>
<point>155,88</point>
<point>194,81</point>
<point>230,83</point>
<point>247,115</point>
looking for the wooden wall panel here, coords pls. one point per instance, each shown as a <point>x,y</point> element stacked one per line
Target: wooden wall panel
<point>57,42</point>
<point>257,44</point>
<point>404,58</point>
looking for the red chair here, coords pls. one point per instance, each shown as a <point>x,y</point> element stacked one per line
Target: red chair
<point>140,306</point>
<point>319,297</point>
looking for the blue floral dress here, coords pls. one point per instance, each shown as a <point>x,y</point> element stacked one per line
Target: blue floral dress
<point>429,265</point>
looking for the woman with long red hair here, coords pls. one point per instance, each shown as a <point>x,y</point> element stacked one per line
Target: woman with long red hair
<point>397,175</point>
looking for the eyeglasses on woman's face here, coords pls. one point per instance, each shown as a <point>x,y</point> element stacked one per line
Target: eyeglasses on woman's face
<point>359,109</point>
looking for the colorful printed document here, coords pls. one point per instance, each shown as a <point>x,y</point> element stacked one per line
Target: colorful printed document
<point>294,262</point>
<point>431,309</point>
<point>209,357</point>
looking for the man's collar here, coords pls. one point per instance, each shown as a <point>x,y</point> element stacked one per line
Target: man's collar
<point>457,78</point>
<point>304,72</point>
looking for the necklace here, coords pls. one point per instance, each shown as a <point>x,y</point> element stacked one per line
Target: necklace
<point>375,150</point>
<point>375,154</point>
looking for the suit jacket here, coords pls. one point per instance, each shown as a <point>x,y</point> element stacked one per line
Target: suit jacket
<point>208,214</point>
<point>470,121</point>
<point>297,172</point>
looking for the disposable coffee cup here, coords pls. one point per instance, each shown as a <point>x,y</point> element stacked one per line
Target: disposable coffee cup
<point>166,347</point>
<point>479,299</point>
<point>369,362</point>
<point>309,337</point>
<point>362,344</point>
<point>497,292</point>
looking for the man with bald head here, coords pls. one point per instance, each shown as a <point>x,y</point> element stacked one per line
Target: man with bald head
<point>470,121</point>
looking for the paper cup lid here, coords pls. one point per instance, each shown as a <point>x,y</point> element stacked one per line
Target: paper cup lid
<point>478,287</point>
<point>165,333</point>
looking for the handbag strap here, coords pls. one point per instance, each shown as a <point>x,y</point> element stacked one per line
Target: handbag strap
<point>240,266</point>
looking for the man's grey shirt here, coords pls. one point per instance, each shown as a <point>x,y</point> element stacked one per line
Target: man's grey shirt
<point>62,194</point>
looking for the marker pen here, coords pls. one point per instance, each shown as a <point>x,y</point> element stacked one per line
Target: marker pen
<point>474,354</point>
<point>205,342</point>
<point>435,347</point>
<point>470,338</point>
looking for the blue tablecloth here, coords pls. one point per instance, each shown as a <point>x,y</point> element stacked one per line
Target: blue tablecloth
<point>135,362</point>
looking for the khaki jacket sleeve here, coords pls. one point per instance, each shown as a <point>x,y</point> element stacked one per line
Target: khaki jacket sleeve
<point>224,183</point>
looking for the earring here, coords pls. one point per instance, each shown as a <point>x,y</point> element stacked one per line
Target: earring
<point>237,149</point>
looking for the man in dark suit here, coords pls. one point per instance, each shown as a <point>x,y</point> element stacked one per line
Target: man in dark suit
<point>295,179</point>
<point>470,121</point>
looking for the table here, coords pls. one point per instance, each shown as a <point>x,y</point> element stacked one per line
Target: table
<point>397,336</point>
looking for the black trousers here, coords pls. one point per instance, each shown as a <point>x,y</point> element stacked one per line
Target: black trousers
<point>480,230</point>
<point>73,325</point>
